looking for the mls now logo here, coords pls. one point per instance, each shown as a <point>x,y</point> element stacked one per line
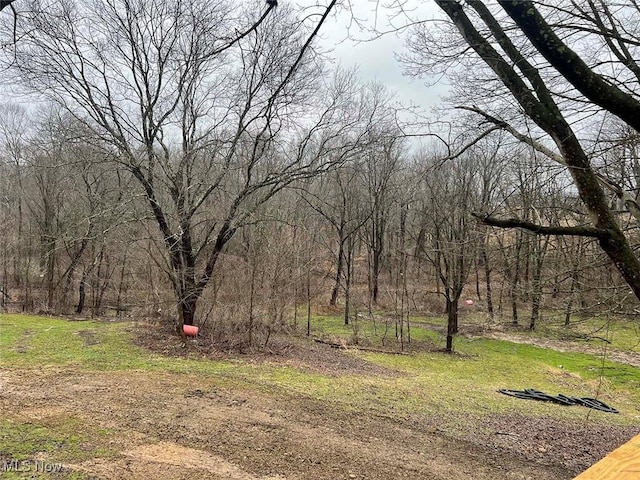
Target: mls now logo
<point>29,466</point>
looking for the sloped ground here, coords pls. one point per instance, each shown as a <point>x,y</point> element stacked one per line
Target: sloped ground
<point>626,357</point>
<point>159,424</point>
<point>168,426</point>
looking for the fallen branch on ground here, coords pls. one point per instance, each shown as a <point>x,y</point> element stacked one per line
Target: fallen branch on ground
<point>356,347</point>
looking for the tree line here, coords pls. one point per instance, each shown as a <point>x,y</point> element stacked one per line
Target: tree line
<point>203,163</point>
<point>390,229</point>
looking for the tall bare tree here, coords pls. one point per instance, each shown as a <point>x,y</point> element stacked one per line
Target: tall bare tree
<point>210,124</point>
<point>450,192</point>
<point>380,169</point>
<point>14,134</point>
<point>545,59</point>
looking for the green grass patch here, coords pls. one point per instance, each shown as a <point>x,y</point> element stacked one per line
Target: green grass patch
<point>383,329</point>
<point>30,341</point>
<point>62,439</point>
<point>33,342</point>
<point>466,382</point>
<point>455,387</point>
<point>516,355</point>
<point>617,333</point>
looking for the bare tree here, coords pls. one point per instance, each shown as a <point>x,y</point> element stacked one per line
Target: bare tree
<point>536,63</point>
<point>202,120</point>
<point>450,192</point>
<point>14,134</point>
<point>380,168</point>
<point>338,200</point>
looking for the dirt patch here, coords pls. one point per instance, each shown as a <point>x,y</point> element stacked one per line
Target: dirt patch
<point>89,337</point>
<point>317,357</point>
<point>174,426</point>
<point>188,458</point>
<point>551,441</point>
<point>180,458</point>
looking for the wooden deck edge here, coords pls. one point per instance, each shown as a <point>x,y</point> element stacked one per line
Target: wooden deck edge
<point>621,464</point>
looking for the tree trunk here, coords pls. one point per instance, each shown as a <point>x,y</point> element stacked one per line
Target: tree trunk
<point>121,284</point>
<point>376,275</point>
<point>347,305</point>
<point>308,302</point>
<point>4,288</point>
<point>336,286</point>
<point>526,274</point>
<point>539,251</point>
<point>513,291</point>
<point>252,293</point>
<point>81,293</point>
<point>187,310</point>
<point>477,278</point>
<point>347,281</point>
<point>487,280</point>
<point>569,309</point>
<point>50,272</point>
<point>27,301</point>
<point>452,322</point>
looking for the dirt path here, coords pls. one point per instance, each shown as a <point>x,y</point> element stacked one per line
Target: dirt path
<point>171,426</point>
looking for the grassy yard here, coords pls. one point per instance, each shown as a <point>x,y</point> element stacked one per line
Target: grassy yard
<point>480,366</point>
<point>459,390</point>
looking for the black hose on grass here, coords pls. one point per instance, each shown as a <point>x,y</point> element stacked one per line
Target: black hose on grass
<point>531,394</point>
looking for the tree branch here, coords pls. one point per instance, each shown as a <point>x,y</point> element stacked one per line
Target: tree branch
<point>245,33</point>
<point>5,3</point>
<point>630,203</point>
<point>542,229</point>
<point>556,157</point>
<point>570,65</point>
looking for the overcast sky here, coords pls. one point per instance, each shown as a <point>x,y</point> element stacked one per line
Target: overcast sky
<point>375,59</point>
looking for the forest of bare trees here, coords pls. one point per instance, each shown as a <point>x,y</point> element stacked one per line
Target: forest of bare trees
<point>202,163</point>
